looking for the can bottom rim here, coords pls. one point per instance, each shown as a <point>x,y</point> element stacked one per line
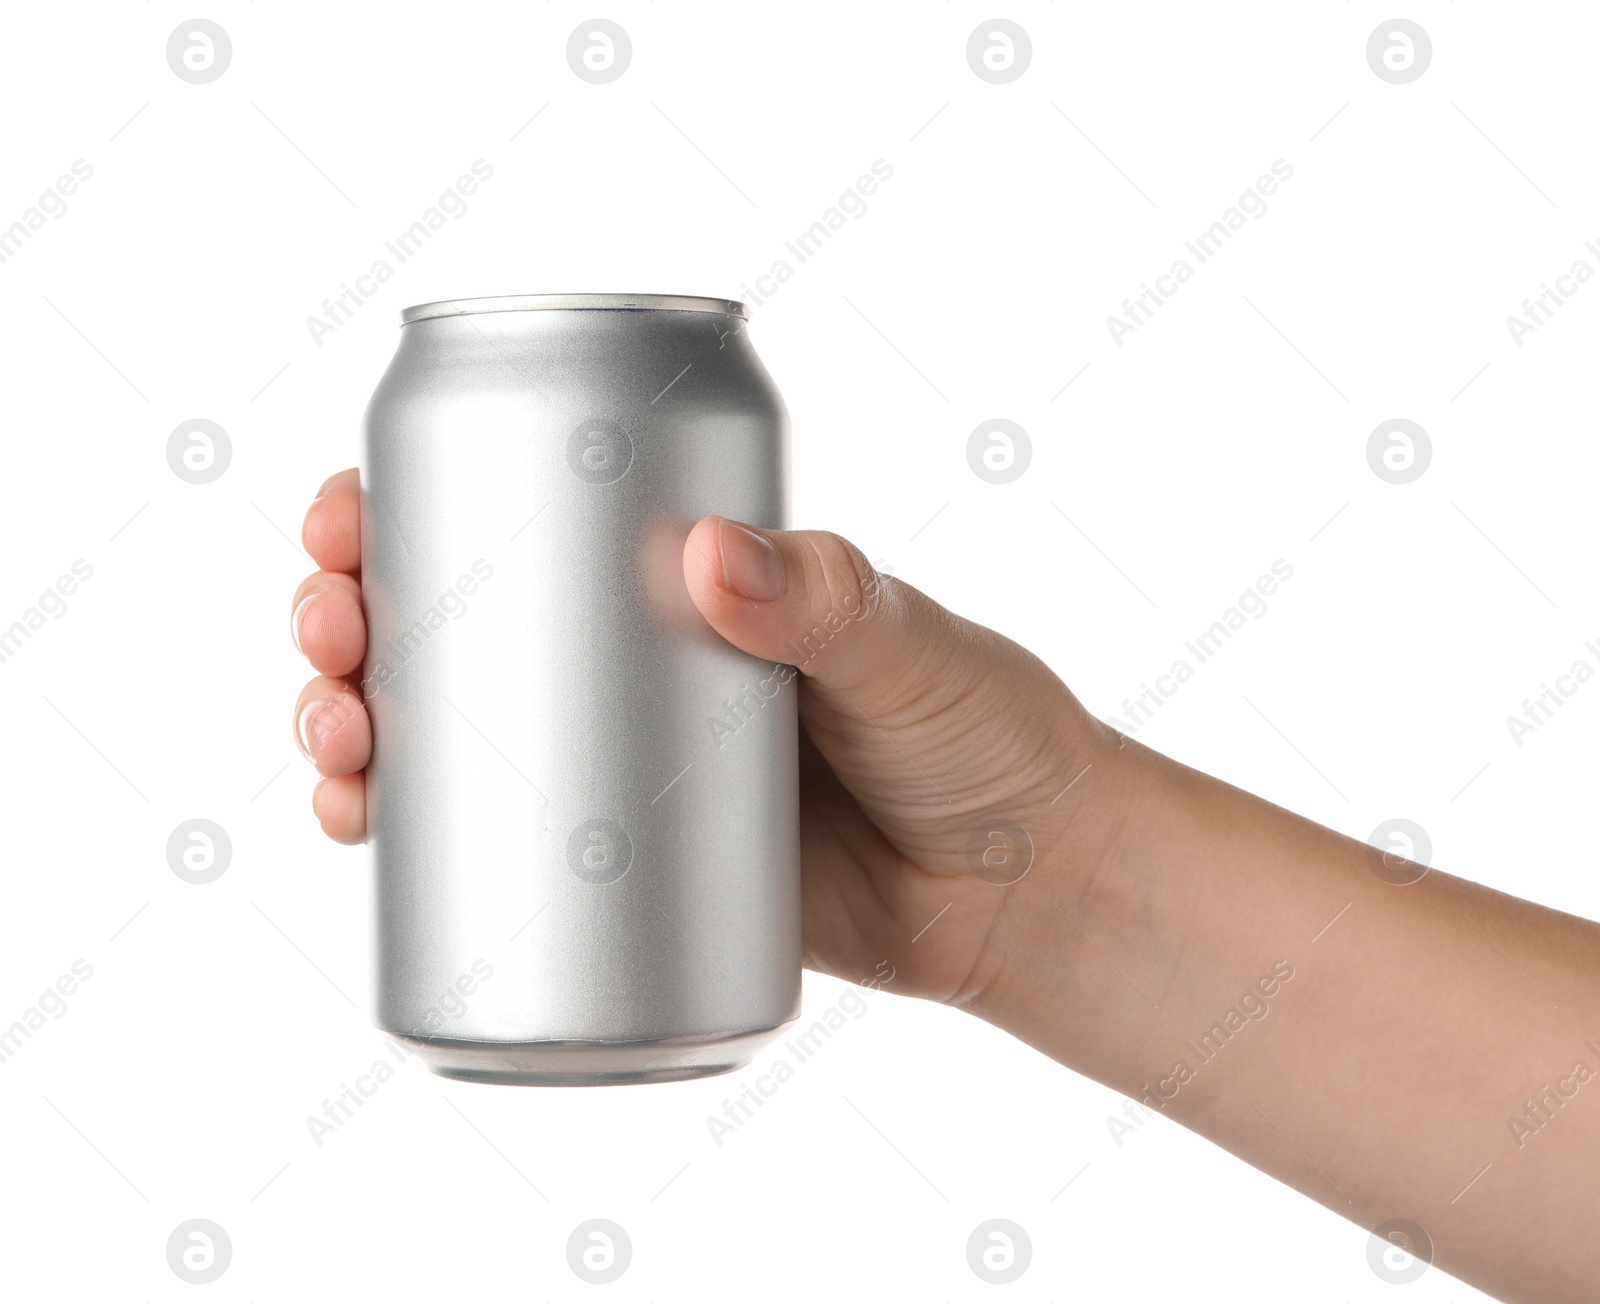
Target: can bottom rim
<point>589,1063</point>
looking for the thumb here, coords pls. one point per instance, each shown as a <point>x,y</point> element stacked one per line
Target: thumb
<point>813,600</point>
<point>907,702</point>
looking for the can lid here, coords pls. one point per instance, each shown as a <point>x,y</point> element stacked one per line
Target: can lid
<point>573,302</point>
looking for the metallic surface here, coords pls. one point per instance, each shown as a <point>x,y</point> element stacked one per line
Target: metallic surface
<point>583,804</point>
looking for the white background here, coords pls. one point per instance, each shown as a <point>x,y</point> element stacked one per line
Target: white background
<point>220,216</point>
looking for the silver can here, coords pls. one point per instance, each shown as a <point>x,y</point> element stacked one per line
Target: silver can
<point>583,804</point>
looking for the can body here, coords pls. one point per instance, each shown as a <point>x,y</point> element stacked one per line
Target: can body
<point>582,803</point>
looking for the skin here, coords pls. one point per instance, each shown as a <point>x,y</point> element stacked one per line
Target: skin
<point>1379,1078</point>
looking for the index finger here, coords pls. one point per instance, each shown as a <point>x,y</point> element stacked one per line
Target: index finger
<point>332,532</point>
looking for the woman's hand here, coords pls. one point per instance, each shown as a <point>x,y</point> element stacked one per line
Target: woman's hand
<point>1392,1045</point>
<point>938,758</point>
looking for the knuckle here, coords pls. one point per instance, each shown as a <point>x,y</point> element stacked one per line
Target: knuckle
<point>852,586</point>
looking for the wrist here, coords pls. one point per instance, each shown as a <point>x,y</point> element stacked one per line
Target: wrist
<point>1169,895</point>
<point>1062,946</point>
<point>1137,907</point>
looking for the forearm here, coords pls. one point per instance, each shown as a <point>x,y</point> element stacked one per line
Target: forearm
<point>1251,975</point>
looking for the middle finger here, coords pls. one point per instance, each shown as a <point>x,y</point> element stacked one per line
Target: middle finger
<point>327,623</point>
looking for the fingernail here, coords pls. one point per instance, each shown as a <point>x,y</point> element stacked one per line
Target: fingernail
<point>317,721</point>
<point>751,566</point>
<point>298,616</point>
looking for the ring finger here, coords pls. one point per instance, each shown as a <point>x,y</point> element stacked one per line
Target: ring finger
<point>331,727</point>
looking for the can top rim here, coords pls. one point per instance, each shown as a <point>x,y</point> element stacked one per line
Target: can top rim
<point>573,302</point>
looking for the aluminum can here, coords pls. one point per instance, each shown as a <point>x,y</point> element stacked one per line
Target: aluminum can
<point>583,805</point>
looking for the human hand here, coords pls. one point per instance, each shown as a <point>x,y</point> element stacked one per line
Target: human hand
<point>927,742</point>
<point>1127,912</point>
